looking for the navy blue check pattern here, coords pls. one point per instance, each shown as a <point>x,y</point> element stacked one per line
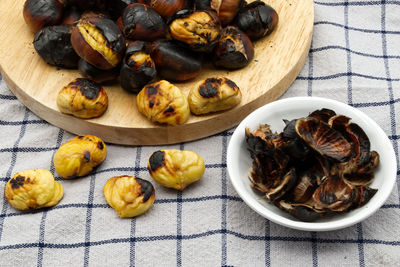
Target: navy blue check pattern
<point>354,58</point>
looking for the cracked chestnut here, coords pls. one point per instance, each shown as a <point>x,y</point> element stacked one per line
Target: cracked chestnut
<point>234,49</point>
<point>141,22</point>
<point>200,30</point>
<point>53,44</point>
<point>174,61</point>
<point>138,68</point>
<point>257,19</point>
<point>41,13</point>
<point>98,41</point>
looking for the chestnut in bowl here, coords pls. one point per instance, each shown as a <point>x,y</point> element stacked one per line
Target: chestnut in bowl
<point>234,49</point>
<point>137,68</point>
<point>53,44</point>
<point>257,19</point>
<point>174,61</point>
<point>141,22</point>
<point>98,41</point>
<point>40,13</point>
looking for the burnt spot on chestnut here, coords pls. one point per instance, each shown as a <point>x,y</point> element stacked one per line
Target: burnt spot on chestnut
<point>98,41</point>
<point>141,22</point>
<point>170,111</point>
<point>198,29</point>
<point>146,189</point>
<point>152,90</point>
<point>138,68</point>
<point>174,61</point>
<point>257,19</point>
<point>209,88</point>
<point>86,156</point>
<point>98,75</point>
<point>157,160</point>
<point>41,13</point>
<point>17,182</point>
<point>234,49</point>
<point>100,145</point>
<point>88,88</point>
<point>53,44</point>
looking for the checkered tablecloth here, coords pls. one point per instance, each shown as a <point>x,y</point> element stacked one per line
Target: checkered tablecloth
<point>355,58</point>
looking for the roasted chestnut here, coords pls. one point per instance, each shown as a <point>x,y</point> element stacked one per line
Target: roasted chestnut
<point>99,41</point>
<point>234,49</point>
<point>138,68</point>
<point>163,102</point>
<point>174,61</point>
<point>226,9</point>
<point>98,75</point>
<point>141,22</point>
<point>166,8</point>
<point>198,29</point>
<point>40,13</point>
<point>257,19</point>
<point>53,44</point>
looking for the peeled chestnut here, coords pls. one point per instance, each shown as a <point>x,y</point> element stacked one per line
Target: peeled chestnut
<point>53,44</point>
<point>226,9</point>
<point>98,75</point>
<point>198,29</point>
<point>40,13</point>
<point>141,22</point>
<point>174,61</point>
<point>98,41</point>
<point>166,8</point>
<point>257,19</point>
<point>234,49</point>
<point>138,68</point>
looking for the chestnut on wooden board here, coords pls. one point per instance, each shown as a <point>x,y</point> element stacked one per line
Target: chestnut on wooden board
<point>174,61</point>
<point>141,22</point>
<point>40,13</point>
<point>99,41</point>
<point>53,44</point>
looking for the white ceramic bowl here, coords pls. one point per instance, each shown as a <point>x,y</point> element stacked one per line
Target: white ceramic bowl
<point>239,161</point>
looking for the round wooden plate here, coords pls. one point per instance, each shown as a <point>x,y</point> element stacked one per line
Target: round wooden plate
<point>277,62</point>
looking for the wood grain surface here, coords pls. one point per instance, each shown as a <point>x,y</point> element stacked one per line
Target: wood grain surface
<point>277,62</point>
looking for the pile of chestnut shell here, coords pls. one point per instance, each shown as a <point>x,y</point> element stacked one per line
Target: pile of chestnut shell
<point>319,165</point>
<point>172,37</point>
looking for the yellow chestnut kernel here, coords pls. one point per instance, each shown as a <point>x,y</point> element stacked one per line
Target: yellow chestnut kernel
<point>163,102</point>
<point>128,195</point>
<point>79,156</point>
<point>82,98</point>
<point>176,168</point>
<point>33,189</point>
<point>214,94</point>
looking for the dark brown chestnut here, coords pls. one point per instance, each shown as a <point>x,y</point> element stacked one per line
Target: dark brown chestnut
<point>88,4</point>
<point>116,7</point>
<point>71,15</point>
<point>234,49</point>
<point>137,68</point>
<point>141,22</point>
<point>40,13</point>
<point>100,76</point>
<point>53,44</point>
<point>174,61</point>
<point>226,9</point>
<point>257,19</point>
<point>166,8</point>
<point>198,29</point>
<point>98,41</point>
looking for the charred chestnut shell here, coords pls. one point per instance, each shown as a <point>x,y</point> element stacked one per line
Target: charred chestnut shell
<point>98,75</point>
<point>257,19</point>
<point>138,68</point>
<point>141,22</point>
<point>198,29</point>
<point>53,44</point>
<point>98,41</point>
<point>174,61</point>
<point>88,4</point>
<point>166,8</point>
<point>116,7</point>
<point>234,49</point>
<point>40,13</point>
<point>225,9</point>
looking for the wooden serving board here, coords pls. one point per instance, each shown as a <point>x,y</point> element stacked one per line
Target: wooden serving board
<point>277,62</point>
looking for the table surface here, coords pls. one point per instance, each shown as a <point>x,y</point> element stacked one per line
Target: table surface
<point>354,58</point>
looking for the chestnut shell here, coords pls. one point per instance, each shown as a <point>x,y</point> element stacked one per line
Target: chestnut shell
<point>40,13</point>
<point>53,44</point>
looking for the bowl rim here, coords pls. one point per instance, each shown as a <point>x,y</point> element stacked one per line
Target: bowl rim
<point>238,135</point>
